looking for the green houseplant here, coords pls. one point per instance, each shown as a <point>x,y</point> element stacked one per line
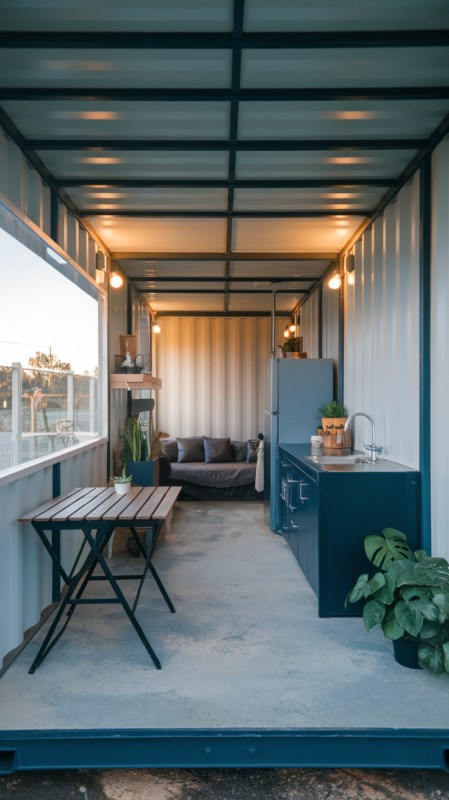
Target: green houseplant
<point>409,599</point>
<point>293,346</point>
<point>333,415</point>
<point>141,448</point>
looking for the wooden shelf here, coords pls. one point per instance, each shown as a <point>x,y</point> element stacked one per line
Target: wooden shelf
<point>139,381</point>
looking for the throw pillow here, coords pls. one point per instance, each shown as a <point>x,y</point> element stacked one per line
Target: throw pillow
<point>239,450</point>
<point>251,453</point>
<point>190,449</point>
<point>170,447</point>
<point>217,451</point>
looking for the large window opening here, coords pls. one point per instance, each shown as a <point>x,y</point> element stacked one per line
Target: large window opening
<point>52,349</point>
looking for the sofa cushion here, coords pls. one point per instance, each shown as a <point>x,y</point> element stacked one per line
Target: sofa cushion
<point>221,475</point>
<point>190,449</point>
<point>217,451</point>
<point>239,450</point>
<point>170,447</point>
<point>251,453</point>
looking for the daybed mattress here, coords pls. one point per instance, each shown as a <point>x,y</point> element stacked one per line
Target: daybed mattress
<point>220,475</point>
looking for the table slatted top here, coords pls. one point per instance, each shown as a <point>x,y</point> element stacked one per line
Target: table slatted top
<point>100,503</point>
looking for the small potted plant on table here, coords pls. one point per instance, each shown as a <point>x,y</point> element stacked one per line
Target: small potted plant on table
<point>122,483</point>
<point>409,600</point>
<point>293,348</point>
<point>334,417</point>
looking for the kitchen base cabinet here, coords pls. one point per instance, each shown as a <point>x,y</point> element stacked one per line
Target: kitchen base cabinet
<point>326,511</point>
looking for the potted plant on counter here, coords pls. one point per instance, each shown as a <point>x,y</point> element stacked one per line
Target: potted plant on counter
<point>333,416</point>
<point>409,600</point>
<point>123,482</point>
<point>141,449</point>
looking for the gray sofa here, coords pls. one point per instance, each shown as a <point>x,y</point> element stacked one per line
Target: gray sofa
<point>217,481</point>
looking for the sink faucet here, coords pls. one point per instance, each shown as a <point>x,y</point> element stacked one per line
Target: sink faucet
<point>372,448</point>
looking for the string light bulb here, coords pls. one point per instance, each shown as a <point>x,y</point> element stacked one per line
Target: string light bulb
<point>116,280</point>
<point>156,328</point>
<point>287,332</point>
<point>292,328</point>
<point>335,282</point>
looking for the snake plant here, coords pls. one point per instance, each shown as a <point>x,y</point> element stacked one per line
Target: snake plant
<point>333,410</point>
<point>409,599</point>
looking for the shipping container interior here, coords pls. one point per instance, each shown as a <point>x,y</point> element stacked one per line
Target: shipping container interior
<point>200,184</point>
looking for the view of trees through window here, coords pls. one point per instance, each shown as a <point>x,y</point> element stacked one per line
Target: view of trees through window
<point>49,355</point>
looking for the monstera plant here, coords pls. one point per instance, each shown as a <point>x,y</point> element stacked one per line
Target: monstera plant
<point>409,598</point>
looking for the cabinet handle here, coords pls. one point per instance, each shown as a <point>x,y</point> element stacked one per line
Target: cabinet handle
<point>301,487</point>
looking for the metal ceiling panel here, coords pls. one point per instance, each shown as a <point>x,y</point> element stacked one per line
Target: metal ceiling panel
<point>284,235</point>
<point>261,302</point>
<point>141,164</point>
<point>338,200</point>
<point>363,119</point>
<point>115,15</point>
<point>133,234</point>
<point>320,164</point>
<point>192,269</point>
<point>345,15</point>
<point>77,68</point>
<point>269,269</point>
<point>186,302</point>
<point>150,199</point>
<point>54,119</point>
<point>383,66</point>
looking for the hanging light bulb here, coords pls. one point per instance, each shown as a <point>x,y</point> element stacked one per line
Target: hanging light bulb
<point>351,278</point>
<point>287,332</point>
<point>156,328</point>
<point>116,280</point>
<point>292,328</point>
<point>335,282</point>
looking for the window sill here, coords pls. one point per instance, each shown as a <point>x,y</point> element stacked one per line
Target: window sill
<point>23,470</point>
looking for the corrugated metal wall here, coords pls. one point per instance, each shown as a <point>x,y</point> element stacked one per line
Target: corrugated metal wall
<point>213,375</point>
<point>20,182</point>
<point>309,325</point>
<point>382,330</point>
<point>439,351</point>
<point>25,567</point>
<point>117,325</point>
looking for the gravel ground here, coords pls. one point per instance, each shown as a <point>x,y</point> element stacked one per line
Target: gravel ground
<point>226,784</point>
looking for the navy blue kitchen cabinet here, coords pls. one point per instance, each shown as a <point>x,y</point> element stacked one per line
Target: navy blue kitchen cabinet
<point>327,510</point>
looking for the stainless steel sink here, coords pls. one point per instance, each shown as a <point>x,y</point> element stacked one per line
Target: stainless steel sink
<point>339,460</point>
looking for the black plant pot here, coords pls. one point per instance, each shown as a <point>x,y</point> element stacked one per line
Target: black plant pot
<point>406,653</point>
<point>145,473</point>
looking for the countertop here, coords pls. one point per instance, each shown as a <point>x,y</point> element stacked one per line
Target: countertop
<point>305,456</point>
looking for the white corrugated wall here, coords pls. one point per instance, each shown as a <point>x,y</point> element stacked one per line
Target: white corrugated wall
<point>213,375</point>
<point>439,351</point>
<point>382,330</point>
<point>309,325</point>
<point>25,567</point>
<point>331,335</point>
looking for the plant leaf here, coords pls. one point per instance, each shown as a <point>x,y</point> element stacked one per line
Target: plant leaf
<point>429,629</point>
<point>382,551</point>
<point>373,614</point>
<point>390,626</point>
<point>441,601</point>
<point>386,593</point>
<point>361,589</point>
<point>429,561</point>
<point>431,658</point>
<point>409,617</point>
<point>446,656</point>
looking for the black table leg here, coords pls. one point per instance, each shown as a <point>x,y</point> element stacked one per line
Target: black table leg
<point>149,566</point>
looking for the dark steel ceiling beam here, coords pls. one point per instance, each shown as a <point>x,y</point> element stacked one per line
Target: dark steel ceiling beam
<point>215,279</point>
<point>206,145</point>
<point>180,183</point>
<point>221,291</point>
<point>344,94</point>
<point>148,255</point>
<point>207,41</point>
<point>221,314</point>
<point>336,212</point>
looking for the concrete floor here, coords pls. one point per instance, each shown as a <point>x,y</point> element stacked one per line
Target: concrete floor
<point>245,648</point>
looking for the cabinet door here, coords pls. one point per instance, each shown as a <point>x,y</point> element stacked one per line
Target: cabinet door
<point>310,491</point>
